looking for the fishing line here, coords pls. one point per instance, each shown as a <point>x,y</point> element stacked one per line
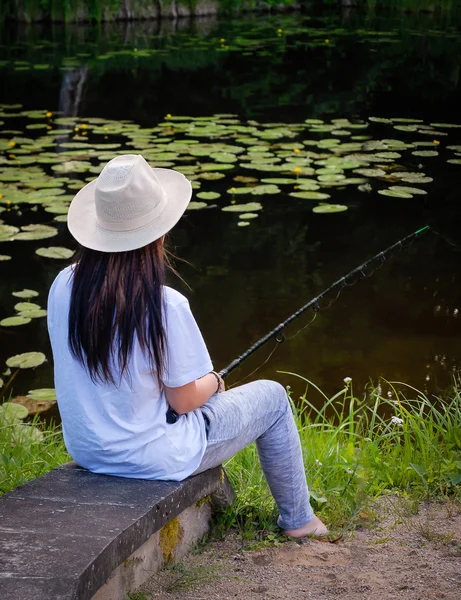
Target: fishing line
<point>278,332</point>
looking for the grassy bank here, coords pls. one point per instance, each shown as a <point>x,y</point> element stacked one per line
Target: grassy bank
<point>27,450</point>
<point>356,450</point>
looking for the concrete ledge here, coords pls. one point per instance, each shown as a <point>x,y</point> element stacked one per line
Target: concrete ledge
<point>64,535</point>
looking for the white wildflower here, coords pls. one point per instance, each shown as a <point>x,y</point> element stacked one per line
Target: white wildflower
<point>318,463</point>
<point>396,420</point>
<point>347,380</point>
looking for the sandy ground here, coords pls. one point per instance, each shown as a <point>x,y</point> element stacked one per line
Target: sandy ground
<point>402,551</point>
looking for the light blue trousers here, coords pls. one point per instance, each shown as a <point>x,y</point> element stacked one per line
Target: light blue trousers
<point>260,412</point>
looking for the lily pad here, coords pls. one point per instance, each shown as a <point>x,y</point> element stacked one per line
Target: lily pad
<point>208,195</point>
<point>196,205</point>
<point>329,208</point>
<point>310,195</point>
<point>425,153</point>
<point>15,321</point>
<point>4,257</point>
<point>36,232</point>
<point>13,411</point>
<point>57,252</point>
<point>394,193</point>
<point>248,216</point>
<point>243,223</point>
<point>33,314</point>
<point>408,190</point>
<point>25,294</point>
<point>42,394</point>
<point>240,208</point>
<point>26,306</point>
<point>370,172</point>
<point>28,360</point>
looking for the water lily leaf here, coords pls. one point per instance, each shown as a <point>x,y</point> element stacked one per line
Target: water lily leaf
<point>196,205</point>
<point>407,190</point>
<point>13,411</point>
<point>248,216</point>
<point>425,153</point>
<point>57,209</point>
<point>26,306</point>
<point>224,157</point>
<point>28,360</point>
<point>243,223</point>
<point>370,172</point>
<point>379,120</point>
<point>15,321</point>
<point>36,232</point>
<point>249,207</point>
<point>446,125</point>
<point>260,190</point>
<point>55,252</point>
<point>329,208</point>
<point>4,257</point>
<point>33,314</point>
<point>243,179</point>
<point>25,294</point>
<point>454,161</point>
<point>240,190</point>
<point>394,193</point>
<point>279,180</point>
<point>211,176</point>
<point>216,167</point>
<point>331,177</point>
<point>309,195</point>
<point>7,232</point>
<point>42,394</point>
<point>208,195</point>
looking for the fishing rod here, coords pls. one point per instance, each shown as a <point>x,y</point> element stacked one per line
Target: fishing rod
<point>278,331</point>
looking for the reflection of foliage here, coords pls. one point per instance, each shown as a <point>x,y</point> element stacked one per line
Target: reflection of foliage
<point>254,70</point>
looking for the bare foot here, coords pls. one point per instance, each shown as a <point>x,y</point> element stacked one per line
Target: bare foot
<point>315,527</point>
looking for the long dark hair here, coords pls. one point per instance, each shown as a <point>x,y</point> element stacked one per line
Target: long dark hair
<point>115,297</point>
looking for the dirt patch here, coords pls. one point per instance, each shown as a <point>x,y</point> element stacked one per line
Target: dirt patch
<point>405,551</point>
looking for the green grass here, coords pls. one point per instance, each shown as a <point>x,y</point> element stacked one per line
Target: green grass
<point>354,452</point>
<point>29,456</point>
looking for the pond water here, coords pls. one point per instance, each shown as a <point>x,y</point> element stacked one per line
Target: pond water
<point>333,109</point>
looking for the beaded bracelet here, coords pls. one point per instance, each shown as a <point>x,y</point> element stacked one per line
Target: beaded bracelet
<point>218,379</point>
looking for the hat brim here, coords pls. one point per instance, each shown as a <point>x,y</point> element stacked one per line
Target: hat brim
<point>83,224</point>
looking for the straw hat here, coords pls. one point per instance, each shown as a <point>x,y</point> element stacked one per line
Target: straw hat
<point>128,206</point>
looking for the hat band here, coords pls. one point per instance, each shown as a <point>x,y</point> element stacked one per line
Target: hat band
<point>131,224</point>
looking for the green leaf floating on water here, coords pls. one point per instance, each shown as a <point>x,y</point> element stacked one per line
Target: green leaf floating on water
<point>196,205</point>
<point>208,195</point>
<point>240,208</point>
<point>13,411</point>
<point>28,360</point>
<point>329,208</point>
<point>394,194</point>
<point>25,294</point>
<point>26,306</point>
<point>243,223</point>
<point>425,153</point>
<point>370,172</point>
<point>4,257</point>
<point>15,321</point>
<point>407,190</point>
<point>248,216</point>
<point>33,314</point>
<point>36,232</point>
<point>261,190</point>
<point>310,195</point>
<point>55,252</point>
<point>42,394</point>
<point>7,232</point>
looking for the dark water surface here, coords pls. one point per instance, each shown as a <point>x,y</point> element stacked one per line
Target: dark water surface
<point>403,323</point>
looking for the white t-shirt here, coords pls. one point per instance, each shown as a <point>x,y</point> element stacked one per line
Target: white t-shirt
<point>122,430</point>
